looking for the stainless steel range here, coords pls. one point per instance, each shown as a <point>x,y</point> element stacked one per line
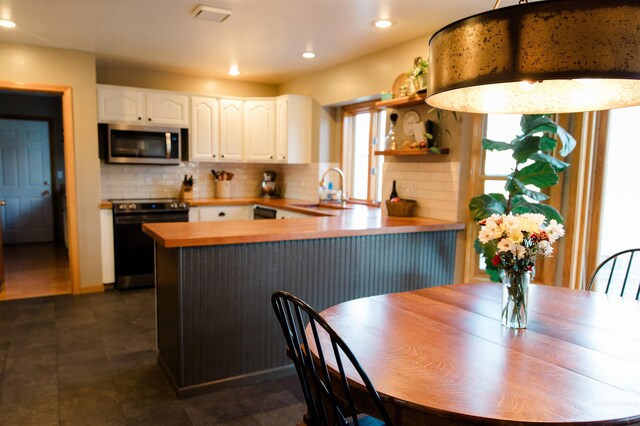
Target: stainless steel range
<point>133,249</point>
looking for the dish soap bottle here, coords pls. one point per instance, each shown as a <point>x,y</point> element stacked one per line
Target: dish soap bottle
<point>390,139</point>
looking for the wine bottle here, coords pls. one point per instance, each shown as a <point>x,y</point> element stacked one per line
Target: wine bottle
<point>394,193</point>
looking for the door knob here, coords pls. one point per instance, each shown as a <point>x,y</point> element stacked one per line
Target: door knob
<point>46,182</point>
<point>2,203</point>
<point>45,192</point>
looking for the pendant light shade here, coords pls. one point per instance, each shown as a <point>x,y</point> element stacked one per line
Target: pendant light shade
<point>550,56</point>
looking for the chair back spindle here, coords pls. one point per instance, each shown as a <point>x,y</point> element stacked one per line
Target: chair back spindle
<point>615,281</point>
<point>328,392</point>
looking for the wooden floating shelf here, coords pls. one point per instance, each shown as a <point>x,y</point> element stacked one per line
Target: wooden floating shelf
<point>411,152</point>
<point>404,101</point>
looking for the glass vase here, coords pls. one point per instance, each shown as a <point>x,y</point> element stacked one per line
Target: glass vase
<point>515,298</point>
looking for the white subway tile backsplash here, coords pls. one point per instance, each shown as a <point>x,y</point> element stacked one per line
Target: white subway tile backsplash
<point>434,185</point>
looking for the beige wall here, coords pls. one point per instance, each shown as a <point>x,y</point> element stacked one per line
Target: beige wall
<point>122,75</point>
<point>361,78</point>
<point>358,80</point>
<point>39,65</point>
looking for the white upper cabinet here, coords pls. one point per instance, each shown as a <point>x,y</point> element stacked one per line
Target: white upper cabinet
<point>260,130</point>
<point>130,105</point>
<point>204,136</point>
<point>167,108</point>
<point>231,130</point>
<point>293,130</point>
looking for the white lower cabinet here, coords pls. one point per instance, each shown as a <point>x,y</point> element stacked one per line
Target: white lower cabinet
<point>106,244</point>
<point>288,214</point>
<point>220,213</point>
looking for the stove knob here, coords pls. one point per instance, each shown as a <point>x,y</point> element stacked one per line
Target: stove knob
<point>122,206</point>
<point>173,205</point>
<point>132,206</point>
<point>183,205</point>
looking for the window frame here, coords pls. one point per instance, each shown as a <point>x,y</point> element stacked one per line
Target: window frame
<point>347,149</point>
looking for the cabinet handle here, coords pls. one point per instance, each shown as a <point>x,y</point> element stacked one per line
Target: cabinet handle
<point>222,156</point>
<point>139,118</point>
<point>222,214</point>
<point>149,119</point>
<point>271,157</point>
<point>214,156</point>
<point>283,157</point>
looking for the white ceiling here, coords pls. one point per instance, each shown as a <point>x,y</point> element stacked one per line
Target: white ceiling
<point>264,38</point>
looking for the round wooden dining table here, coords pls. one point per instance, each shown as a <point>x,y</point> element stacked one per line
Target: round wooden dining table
<point>441,356</point>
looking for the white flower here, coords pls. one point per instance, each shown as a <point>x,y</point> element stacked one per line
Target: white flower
<point>545,248</point>
<point>554,230</point>
<point>505,245</point>
<point>519,251</point>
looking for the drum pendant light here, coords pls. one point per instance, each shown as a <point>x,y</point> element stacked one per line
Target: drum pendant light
<point>548,56</point>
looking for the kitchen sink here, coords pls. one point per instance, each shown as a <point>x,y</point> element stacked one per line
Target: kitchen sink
<point>333,206</point>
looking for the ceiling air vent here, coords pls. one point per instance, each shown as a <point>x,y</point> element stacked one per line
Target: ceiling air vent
<point>209,13</point>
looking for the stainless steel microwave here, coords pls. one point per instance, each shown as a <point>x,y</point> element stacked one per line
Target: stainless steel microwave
<point>131,144</point>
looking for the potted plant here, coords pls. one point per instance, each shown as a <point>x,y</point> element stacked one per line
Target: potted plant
<point>534,166</point>
<point>418,73</point>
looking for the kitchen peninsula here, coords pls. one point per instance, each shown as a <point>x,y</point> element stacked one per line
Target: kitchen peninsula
<point>214,281</point>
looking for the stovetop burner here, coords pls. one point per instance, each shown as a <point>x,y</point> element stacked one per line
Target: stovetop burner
<point>149,205</point>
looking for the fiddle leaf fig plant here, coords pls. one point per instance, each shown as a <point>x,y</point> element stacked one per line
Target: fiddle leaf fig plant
<point>534,167</point>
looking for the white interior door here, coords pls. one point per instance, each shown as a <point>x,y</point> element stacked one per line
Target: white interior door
<point>25,181</point>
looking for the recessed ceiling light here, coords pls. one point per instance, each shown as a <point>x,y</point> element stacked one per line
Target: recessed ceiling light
<point>7,24</point>
<point>383,23</point>
<point>234,70</point>
<point>308,55</point>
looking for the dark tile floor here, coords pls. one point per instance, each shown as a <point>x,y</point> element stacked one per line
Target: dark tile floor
<point>90,360</point>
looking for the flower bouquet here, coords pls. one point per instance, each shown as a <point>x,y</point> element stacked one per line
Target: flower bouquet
<point>514,241</point>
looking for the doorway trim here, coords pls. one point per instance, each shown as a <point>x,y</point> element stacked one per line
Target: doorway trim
<point>69,168</point>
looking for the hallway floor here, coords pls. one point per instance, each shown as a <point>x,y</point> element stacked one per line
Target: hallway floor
<point>35,270</point>
<point>90,360</point>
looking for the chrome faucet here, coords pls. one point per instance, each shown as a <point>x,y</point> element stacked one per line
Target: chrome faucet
<point>341,197</point>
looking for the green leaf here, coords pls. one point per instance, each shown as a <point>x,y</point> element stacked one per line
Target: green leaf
<point>557,165</point>
<point>524,148</point>
<point>485,205</point>
<point>547,143</point>
<point>515,186</point>
<point>568,142</point>
<point>492,145</point>
<point>544,209</point>
<point>493,272</point>
<point>535,123</point>
<point>540,174</point>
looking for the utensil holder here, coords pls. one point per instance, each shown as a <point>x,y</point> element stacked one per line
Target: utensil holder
<point>223,189</point>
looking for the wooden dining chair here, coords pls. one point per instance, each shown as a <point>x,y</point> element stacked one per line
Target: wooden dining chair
<point>329,396</point>
<point>623,274</point>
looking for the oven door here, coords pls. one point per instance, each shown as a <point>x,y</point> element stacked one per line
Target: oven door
<point>143,145</point>
<point>133,249</point>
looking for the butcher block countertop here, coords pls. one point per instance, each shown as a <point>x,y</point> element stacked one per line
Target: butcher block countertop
<point>330,223</point>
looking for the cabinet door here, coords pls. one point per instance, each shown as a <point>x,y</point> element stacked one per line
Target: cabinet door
<point>167,108</point>
<point>221,213</point>
<point>282,134</point>
<point>260,131</point>
<point>203,141</point>
<point>294,129</point>
<point>231,130</point>
<point>120,105</point>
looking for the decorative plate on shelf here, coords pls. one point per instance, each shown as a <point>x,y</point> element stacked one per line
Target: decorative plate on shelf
<point>401,80</point>
<point>410,119</point>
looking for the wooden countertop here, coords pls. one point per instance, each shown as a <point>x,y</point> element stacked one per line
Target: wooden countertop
<point>330,223</point>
